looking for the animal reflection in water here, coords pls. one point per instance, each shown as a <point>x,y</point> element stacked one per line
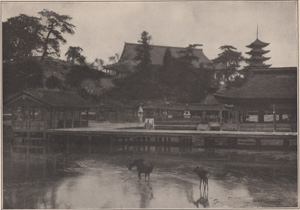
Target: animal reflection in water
<point>202,174</point>
<point>146,192</point>
<point>143,166</point>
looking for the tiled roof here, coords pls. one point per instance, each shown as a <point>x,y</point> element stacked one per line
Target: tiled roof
<point>277,83</point>
<point>127,58</point>
<point>53,98</point>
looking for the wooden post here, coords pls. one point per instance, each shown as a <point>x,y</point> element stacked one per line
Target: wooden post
<point>237,117</point>
<point>90,142</point>
<point>79,117</point>
<point>28,118</point>
<point>280,116</point>
<point>72,124</point>
<point>68,143</point>
<point>220,116</point>
<point>244,116</point>
<point>64,118</point>
<point>87,117</point>
<point>44,144</point>
<point>274,117</point>
<point>55,119</point>
<point>27,143</point>
<point>110,143</point>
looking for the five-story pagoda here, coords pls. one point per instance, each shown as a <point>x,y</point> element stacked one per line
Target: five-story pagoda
<point>257,59</point>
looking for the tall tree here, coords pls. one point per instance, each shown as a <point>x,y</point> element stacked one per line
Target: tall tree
<point>185,81</point>
<point>56,25</point>
<point>230,58</point>
<point>74,54</point>
<point>22,36</point>
<point>143,50</point>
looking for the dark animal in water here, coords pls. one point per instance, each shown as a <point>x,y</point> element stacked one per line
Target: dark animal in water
<point>202,172</point>
<point>143,166</point>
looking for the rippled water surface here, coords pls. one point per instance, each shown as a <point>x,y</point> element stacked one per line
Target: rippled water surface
<point>101,179</point>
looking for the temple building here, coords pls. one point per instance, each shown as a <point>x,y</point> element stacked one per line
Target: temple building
<point>266,102</point>
<point>128,62</point>
<point>257,59</point>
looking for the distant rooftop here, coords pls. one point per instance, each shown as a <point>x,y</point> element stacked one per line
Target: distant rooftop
<point>127,60</point>
<point>269,83</point>
<point>52,98</point>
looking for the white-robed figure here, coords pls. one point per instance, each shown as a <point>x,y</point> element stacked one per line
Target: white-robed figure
<point>140,114</point>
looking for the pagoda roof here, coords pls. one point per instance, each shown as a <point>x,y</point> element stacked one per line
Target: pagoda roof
<point>259,65</point>
<point>258,44</point>
<point>257,52</point>
<point>259,58</point>
<point>277,83</point>
<point>128,60</point>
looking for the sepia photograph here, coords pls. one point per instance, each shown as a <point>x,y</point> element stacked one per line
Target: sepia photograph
<point>149,104</point>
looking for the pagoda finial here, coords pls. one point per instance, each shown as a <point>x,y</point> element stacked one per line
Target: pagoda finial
<point>257,32</point>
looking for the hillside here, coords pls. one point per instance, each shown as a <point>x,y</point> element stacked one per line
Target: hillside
<point>51,73</point>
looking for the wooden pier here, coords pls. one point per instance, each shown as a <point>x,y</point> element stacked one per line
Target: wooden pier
<point>138,135</point>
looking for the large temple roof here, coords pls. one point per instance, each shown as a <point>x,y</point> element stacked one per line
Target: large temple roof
<point>273,83</point>
<point>127,60</point>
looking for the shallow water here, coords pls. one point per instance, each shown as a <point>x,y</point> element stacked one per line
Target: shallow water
<point>100,179</point>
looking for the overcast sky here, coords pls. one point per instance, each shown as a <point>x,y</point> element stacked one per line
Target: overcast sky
<point>103,27</point>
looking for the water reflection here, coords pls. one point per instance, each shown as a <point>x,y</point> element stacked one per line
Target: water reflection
<point>203,199</point>
<point>92,176</point>
<point>146,191</point>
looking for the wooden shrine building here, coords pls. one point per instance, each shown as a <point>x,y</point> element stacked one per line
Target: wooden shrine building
<point>266,102</point>
<point>127,63</point>
<point>35,110</point>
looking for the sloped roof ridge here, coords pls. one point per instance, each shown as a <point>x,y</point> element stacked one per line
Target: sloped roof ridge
<point>162,46</point>
<point>52,90</point>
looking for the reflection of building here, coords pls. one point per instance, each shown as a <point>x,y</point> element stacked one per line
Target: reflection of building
<point>266,102</point>
<point>35,110</point>
<point>127,62</point>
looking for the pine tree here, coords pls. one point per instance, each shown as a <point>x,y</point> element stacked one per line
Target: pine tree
<point>56,25</point>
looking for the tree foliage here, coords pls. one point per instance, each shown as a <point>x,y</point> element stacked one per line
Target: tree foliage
<point>177,80</point>
<point>21,75</point>
<point>183,80</point>
<point>231,58</point>
<point>74,55</point>
<point>56,25</point>
<point>53,82</point>
<point>98,63</point>
<point>79,73</point>
<point>114,59</point>
<point>22,36</point>
<point>143,50</point>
